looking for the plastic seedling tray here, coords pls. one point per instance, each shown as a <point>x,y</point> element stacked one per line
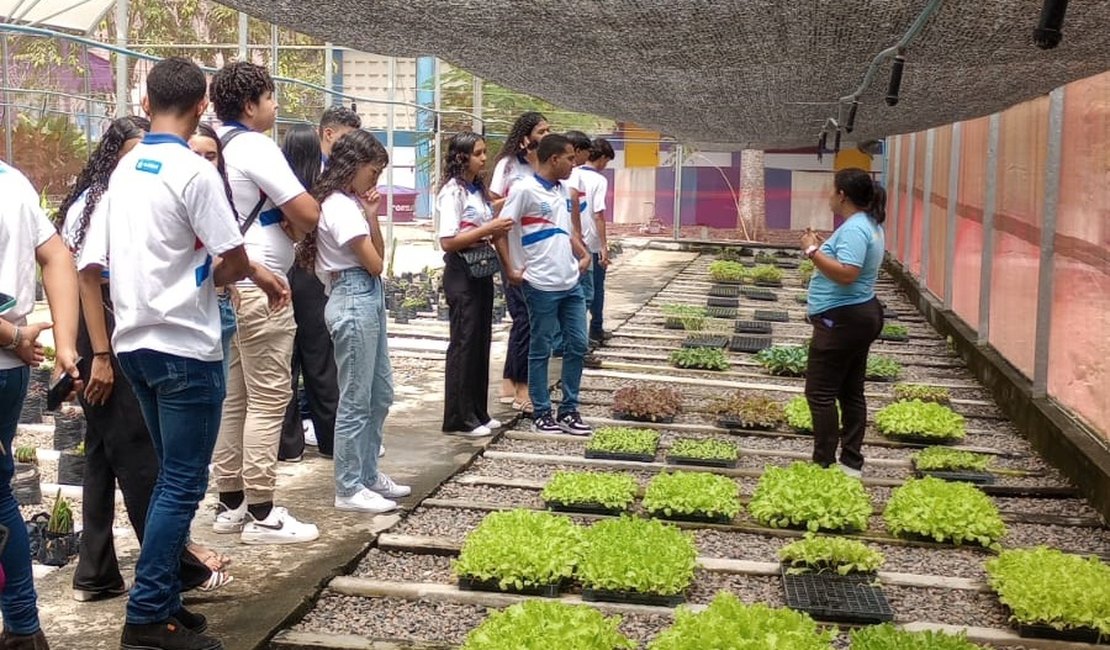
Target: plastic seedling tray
<point>918,439</point>
<point>693,517</point>
<point>889,314</point>
<point>702,462</point>
<point>749,343</point>
<point>673,323</point>
<point>721,312</point>
<point>771,315</point>
<point>752,327</point>
<point>733,422</point>
<point>768,283</point>
<point>620,455</point>
<point>786,263</point>
<point>754,293</point>
<point>1042,631</point>
<point>631,597</point>
<point>621,415</point>
<point>882,380</point>
<point>894,337</point>
<point>728,282</point>
<point>719,301</point>
<point>589,508</point>
<point>466,583</point>
<point>967,476</point>
<point>724,290</point>
<point>705,341</point>
<point>835,598</point>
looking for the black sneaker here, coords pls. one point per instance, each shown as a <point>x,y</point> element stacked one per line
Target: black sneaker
<point>168,635</point>
<point>606,335</point>
<point>572,423</point>
<point>195,623</point>
<point>591,361</point>
<point>544,423</point>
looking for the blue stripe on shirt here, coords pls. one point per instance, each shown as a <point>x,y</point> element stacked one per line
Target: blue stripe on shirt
<point>540,235</point>
<point>270,217</point>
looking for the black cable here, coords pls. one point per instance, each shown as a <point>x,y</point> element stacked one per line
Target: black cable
<point>1048,34</point>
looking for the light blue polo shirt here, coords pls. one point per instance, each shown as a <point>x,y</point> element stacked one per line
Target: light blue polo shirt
<point>859,242</point>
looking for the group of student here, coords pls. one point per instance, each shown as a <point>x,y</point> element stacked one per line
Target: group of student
<point>194,273</point>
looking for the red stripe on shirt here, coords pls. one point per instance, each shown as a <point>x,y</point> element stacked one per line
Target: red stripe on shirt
<point>532,221</point>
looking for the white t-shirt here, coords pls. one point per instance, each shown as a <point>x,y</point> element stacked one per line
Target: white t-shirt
<point>461,207</point>
<point>540,211</point>
<point>592,186</point>
<point>255,164</point>
<point>23,228</point>
<point>163,218</point>
<point>341,221</point>
<point>507,172</point>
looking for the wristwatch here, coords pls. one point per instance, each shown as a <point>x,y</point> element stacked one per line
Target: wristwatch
<point>811,251</point>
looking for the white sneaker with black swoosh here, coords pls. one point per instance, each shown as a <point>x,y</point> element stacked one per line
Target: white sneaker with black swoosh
<point>278,528</point>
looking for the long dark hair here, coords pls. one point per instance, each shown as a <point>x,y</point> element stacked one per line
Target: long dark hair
<point>349,153</point>
<point>459,150</point>
<point>94,177</point>
<point>302,149</point>
<point>863,192</point>
<point>206,131</point>
<point>522,128</point>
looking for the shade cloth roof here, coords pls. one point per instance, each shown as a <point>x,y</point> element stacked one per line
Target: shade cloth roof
<point>733,73</point>
<point>71,15</point>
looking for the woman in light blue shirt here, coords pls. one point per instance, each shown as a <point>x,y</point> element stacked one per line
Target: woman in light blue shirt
<point>846,318</point>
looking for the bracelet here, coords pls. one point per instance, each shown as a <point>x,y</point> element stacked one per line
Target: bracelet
<point>16,340</point>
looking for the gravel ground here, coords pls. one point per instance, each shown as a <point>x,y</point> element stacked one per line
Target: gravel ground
<point>392,618</point>
<point>955,562</point>
<point>1080,540</point>
<point>1069,507</point>
<point>454,523</point>
<point>490,494</point>
<point>738,546</point>
<point>750,589</point>
<point>569,447</point>
<point>952,606</point>
<point>405,567</point>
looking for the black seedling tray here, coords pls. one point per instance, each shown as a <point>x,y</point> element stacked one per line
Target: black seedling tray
<point>673,323</point>
<point>618,455</point>
<point>889,314</point>
<point>881,380</point>
<point>771,315</point>
<point>583,508</point>
<point>892,337</point>
<point>631,598</point>
<point>732,283</point>
<point>752,327</point>
<point>720,312</point>
<point>924,440</point>
<point>1043,631</point>
<point>732,422</point>
<point>836,598</point>
<point>786,264</point>
<point>768,283</point>
<point>697,518</point>
<point>724,290</point>
<point>718,301</point>
<point>749,343</point>
<point>702,462</point>
<point>705,341</point>
<point>975,478</point>
<point>467,583</point>
<point>621,415</point>
<point>753,293</point>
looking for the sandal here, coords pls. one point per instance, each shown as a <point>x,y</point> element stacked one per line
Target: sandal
<point>210,558</point>
<point>216,580</point>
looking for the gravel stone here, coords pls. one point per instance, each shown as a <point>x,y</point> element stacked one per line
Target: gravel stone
<point>750,589</point>
<point>738,546</point>
<point>955,562</point>
<point>951,606</point>
<point>521,497</point>
<point>397,566</point>
<point>1067,538</point>
<point>393,618</point>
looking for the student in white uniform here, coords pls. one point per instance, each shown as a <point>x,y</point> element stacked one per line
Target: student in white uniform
<point>348,252</point>
<point>26,237</point>
<point>158,230</point>
<point>468,230</point>
<point>259,376</point>
<point>593,188</point>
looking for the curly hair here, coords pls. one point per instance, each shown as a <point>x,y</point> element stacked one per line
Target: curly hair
<point>349,154</point>
<point>206,131</point>
<point>522,128</point>
<point>94,177</point>
<point>235,85</point>
<point>459,149</point>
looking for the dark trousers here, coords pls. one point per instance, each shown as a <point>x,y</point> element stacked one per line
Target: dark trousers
<point>314,357</point>
<point>516,358</point>
<point>117,448</point>
<point>842,338</point>
<point>467,374</point>
<point>597,302</point>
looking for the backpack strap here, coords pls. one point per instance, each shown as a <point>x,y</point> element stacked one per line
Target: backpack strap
<point>226,139</point>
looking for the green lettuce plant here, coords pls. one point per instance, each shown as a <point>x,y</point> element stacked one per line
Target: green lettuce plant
<point>726,271</point>
<point>895,331</point>
<point>766,273</point>
<point>888,637</point>
<point>943,459</point>
<point>543,624</point>
<point>731,624</point>
<point>690,317</point>
<point>640,555</point>
<point>521,548</point>
<point>692,493</point>
<point>944,511</point>
<point>610,490</point>
<point>805,495</point>
<point>784,360</point>
<point>806,269</point>
<point>748,410</point>
<point>920,419</point>
<point>921,392</point>
<point>882,368</point>
<point>624,440</point>
<point>1044,586</point>
<point>819,553</point>
<point>765,257</point>
<point>704,449</point>
<point>700,358</point>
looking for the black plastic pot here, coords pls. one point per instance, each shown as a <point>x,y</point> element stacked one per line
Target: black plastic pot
<point>69,429</point>
<point>33,405</point>
<point>71,469</point>
<point>726,421</point>
<point>26,484</point>
<point>621,415</point>
<point>58,549</point>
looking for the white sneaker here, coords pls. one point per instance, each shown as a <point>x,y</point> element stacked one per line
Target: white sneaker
<point>230,520</point>
<point>309,433</point>
<point>477,432</point>
<point>279,528</point>
<point>365,501</point>
<point>493,424</point>
<point>381,450</point>
<point>854,473</point>
<point>388,489</point>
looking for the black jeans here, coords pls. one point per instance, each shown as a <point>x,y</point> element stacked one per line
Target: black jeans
<point>117,448</point>
<point>520,340</point>
<point>467,374</point>
<point>314,356</point>
<point>842,338</point>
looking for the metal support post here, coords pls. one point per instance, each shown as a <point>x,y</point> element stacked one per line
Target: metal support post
<point>907,232</point>
<point>8,108</point>
<point>986,266</point>
<point>478,124</point>
<point>122,77</point>
<point>927,206</point>
<point>275,56</point>
<point>679,154</point>
<point>244,35</point>
<point>1046,270</point>
<point>950,223</point>
<point>392,91</point>
<point>88,96</point>
<point>895,167</point>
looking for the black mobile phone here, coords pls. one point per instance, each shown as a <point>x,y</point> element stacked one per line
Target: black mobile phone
<point>60,389</point>
<point>6,302</point>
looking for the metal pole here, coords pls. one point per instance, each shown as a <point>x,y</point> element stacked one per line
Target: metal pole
<point>950,225</point>
<point>437,152</point>
<point>122,77</point>
<point>392,90</point>
<point>7,105</point>
<point>677,225</point>
<point>927,209</point>
<point>1047,269</point>
<point>990,196</point>
<point>329,81</point>
<point>244,34</point>
<point>892,191</point>
<point>275,55</point>
<point>88,97</point>
<point>477,125</point>
<point>907,232</point>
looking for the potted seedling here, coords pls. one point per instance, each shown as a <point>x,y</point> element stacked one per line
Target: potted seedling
<point>841,572</point>
<point>742,410</point>
<point>700,358</point>
<point>623,443</point>
<point>880,368</point>
<point>725,272</point>
<point>548,624</point>
<point>953,465</point>
<point>687,317</point>
<point>519,551</point>
<point>692,496</point>
<point>708,452</point>
<point>600,493</point>
<point>806,496</point>
<point>920,422</point>
<point>922,392</point>
<point>59,543</point>
<point>784,360</point>
<point>805,271</point>
<point>71,466</point>
<point>647,403</point>
<point>888,637</point>
<point>895,332</point>
<point>941,511</point>
<point>26,479</point>
<point>766,275</point>
<point>765,257</point>
<point>636,560</point>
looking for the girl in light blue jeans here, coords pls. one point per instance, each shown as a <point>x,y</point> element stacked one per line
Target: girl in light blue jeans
<point>347,251</point>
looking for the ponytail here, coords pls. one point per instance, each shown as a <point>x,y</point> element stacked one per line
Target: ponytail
<point>878,205</point>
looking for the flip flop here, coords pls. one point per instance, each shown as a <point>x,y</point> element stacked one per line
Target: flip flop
<point>216,580</point>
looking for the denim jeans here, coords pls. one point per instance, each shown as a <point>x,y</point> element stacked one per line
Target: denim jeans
<point>228,326</point>
<point>597,305</point>
<point>18,603</point>
<point>550,312</point>
<point>355,316</point>
<point>181,400</point>
<point>586,282</point>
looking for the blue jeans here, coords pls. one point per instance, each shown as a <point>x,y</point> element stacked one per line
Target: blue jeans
<point>586,281</point>
<point>18,603</point>
<point>228,325</point>
<point>550,312</point>
<point>597,304</point>
<point>181,400</point>
<point>355,316</point>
